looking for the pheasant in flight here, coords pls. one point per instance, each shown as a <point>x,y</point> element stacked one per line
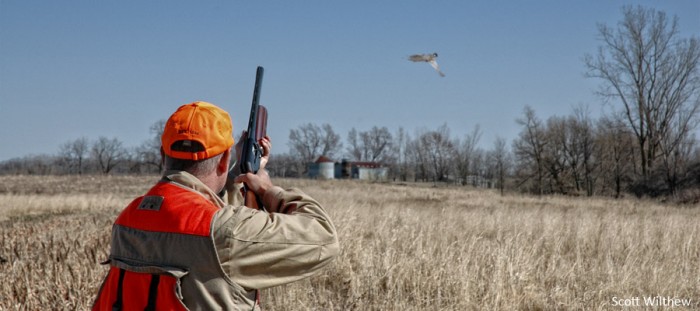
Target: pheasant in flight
<point>428,58</point>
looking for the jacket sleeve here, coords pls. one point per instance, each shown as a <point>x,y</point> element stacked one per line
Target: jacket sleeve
<point>259,250</point>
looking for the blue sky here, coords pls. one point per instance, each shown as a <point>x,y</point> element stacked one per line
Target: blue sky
<point>112,68</point>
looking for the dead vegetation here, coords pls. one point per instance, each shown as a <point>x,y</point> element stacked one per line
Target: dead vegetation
<point>403,247</point>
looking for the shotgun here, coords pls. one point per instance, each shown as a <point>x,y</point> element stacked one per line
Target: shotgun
<point>252,152</point>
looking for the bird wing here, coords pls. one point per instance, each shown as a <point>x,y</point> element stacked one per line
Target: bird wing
<point>437,68</point>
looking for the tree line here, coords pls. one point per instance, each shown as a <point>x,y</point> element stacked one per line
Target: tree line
<point>649,75</point>
<point>99,156</point>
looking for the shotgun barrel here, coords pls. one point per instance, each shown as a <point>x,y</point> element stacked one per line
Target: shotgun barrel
<point>251,152</point>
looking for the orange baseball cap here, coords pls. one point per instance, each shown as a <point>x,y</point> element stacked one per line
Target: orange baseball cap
<point>200,122</point>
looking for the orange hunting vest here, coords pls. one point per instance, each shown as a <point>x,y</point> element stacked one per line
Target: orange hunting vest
<point>163,256</point>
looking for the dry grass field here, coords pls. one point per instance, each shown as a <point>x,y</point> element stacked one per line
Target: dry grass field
<point>404,247</point>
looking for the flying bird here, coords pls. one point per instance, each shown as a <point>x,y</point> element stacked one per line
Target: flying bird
<point>428,58</point>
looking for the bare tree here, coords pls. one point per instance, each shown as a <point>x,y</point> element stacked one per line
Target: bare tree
<point>377,144</point>
<point>568,153</point>
<point>554,156</point>
<point>583,144</point>
<point>500,162</point>
<point>285,165</point>
<point>528,149</point>
<point>399,151</point>
<point>310,141</point>
<point>74,154</point>
<point>354,149</point>
<point>435,149</point>
<point>478,167</point>
<point>464,154</point>
<point>614,153</point>
<point>331,141</point>
<point>373,145</point>
<point>34,164</point>
<point>676,161</point>
<point>107,153</point>
<point>148,153</point>
<point>654,75</point>
<point>417,158</point>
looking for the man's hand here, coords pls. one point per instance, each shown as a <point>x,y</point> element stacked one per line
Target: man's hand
<point>265,143</point>
<point>235,171</point>
<point>259,183</point>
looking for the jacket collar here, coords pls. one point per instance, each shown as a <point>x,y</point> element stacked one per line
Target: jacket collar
<point>189,181</point>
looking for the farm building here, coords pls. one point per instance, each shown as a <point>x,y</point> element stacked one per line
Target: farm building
<point>325,168</point>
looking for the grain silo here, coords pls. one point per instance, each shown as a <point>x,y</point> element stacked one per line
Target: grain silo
<point>326,168</point>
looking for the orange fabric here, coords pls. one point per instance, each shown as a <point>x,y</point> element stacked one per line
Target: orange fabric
<point>182,211</point>
<point>135,289</point>
<point>202,122</point>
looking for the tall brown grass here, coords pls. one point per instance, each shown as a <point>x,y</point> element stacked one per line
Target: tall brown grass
<point>404,247</point>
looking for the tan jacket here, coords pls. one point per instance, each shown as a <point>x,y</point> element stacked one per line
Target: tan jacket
<point>255,249</point>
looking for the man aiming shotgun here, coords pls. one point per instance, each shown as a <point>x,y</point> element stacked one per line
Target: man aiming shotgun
<point>182,247</point>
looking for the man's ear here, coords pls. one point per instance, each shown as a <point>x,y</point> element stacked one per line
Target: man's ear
<point>222,166</point>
